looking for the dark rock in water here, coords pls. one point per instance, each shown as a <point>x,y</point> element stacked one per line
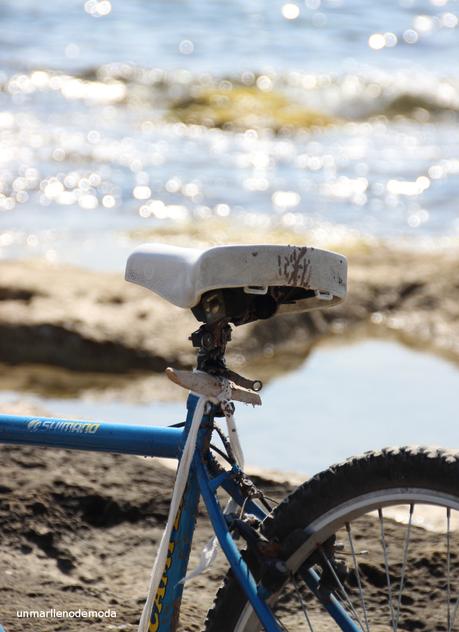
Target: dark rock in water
<point>86,321</point>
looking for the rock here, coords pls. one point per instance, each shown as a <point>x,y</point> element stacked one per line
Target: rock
<point>246,107</point>
<point>86,321</point>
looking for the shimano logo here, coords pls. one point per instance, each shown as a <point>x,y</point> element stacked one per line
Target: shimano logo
<point>50,425</point>
<point>34,425</point>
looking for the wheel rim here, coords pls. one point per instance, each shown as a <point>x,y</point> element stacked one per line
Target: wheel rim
<point>372,519</point>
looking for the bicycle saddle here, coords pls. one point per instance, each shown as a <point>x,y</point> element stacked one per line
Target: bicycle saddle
<point>238,279</point>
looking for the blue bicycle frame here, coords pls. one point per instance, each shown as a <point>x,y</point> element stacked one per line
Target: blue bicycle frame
<point>168,442</point>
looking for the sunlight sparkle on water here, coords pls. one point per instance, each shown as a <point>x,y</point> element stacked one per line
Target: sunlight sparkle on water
<point>264,83</point>
<point>98,8</point>
<point>410,36</point>
<point>423,23</point>
<point>70,87</point>
<point>290,11</point>
<point>108,201</point>
<point>352,189</point>
<point>416,219</point>
<point>88,201</point>
<point>159,210</point>
<point>449,20</point>
<point>286,199</point>
<point>378,41</point>
<point>186,47</point>
<point>405,187</point>
<point>142,192</point>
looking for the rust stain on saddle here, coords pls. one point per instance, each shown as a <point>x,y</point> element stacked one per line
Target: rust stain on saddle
<point>295,267</point>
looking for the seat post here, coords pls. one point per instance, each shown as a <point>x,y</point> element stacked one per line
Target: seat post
<point>211,341</point>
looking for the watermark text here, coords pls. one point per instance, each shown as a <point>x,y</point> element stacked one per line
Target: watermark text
<point>55,613</point>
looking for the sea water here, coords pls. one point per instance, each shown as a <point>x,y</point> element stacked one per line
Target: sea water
<point>88,155</point>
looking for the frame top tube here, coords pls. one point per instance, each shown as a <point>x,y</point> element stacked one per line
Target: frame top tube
<point>95,436</point>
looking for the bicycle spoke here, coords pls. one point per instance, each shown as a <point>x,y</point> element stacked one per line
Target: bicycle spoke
<point>357,572</point>
<point>386,567</point>
<point>448,565</point>
<point>303,606</point>
<point>451,617</point>
<point>282,626</point>
<point>405,557</point>
<point>271,499</point>
<point>456,605</point>
<point>341,587</point>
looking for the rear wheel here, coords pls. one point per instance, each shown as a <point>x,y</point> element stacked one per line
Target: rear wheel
<point>382,533</point>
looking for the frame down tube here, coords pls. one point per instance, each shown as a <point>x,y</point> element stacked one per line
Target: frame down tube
<point>242,572</point>
<point>166,605</point>
<point>233,555</point>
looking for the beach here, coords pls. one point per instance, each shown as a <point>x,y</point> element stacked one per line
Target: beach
<point>89,322</point>
<point>79,532</point>
<point>318,123</point>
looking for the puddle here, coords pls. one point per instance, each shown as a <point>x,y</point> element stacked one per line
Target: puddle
<point>342,401</point>
<point>349,399</point>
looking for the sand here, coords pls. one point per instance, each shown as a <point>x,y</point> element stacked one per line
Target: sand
<point>79,531</point>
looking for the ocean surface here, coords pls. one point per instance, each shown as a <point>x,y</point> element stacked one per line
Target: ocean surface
<point>89,158</point>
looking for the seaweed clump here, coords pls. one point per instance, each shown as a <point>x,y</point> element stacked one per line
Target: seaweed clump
<point>246,107</point>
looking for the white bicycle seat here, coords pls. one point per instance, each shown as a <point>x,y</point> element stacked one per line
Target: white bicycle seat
<point>183,275</point>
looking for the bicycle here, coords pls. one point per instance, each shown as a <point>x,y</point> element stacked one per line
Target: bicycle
<point>303,563</point>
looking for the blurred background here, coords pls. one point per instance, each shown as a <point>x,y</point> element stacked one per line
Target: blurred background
<point>195,122</point>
